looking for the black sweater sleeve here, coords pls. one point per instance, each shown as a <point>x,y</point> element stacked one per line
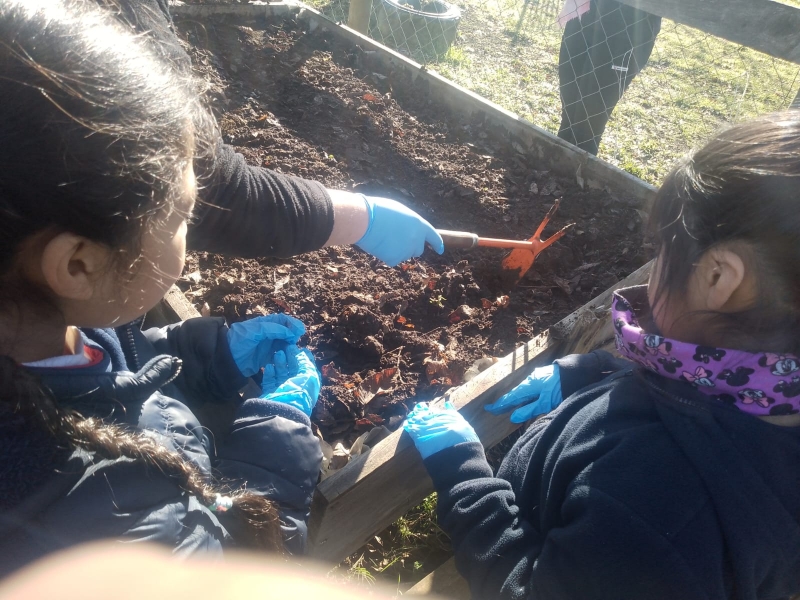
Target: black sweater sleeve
<point>244,210</point>
<point>249,211</point>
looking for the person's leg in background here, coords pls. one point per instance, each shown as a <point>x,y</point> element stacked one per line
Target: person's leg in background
<point>609,35</point>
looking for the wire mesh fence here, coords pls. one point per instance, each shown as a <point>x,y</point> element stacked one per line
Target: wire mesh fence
<point>614,80</point>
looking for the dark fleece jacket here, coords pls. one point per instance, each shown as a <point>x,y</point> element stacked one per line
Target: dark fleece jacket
<point>52,498</point>
<point>635,487</point>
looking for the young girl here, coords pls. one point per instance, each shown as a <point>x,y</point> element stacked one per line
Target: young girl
<point>672,474</point>
<point>98,136</point>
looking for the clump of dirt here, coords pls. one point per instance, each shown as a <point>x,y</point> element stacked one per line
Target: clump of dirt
<point>301,103</point>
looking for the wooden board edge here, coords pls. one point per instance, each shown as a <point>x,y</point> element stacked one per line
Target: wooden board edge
<point>177,306</point>
<point>445,581</point>
<point>391,475</point>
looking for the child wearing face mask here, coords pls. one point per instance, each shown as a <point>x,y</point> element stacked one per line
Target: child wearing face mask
<point>98,135</point>
<point>671,473</point>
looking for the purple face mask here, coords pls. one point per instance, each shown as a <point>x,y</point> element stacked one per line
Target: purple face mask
<point>759,384</point>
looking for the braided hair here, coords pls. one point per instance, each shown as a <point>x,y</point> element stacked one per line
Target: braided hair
<point>96,131</point>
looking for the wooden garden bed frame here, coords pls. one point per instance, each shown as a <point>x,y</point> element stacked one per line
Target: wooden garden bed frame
<point>377,488</point>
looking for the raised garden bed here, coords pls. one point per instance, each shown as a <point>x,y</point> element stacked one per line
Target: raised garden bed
<point>298,94</point>
<point>307,104</point>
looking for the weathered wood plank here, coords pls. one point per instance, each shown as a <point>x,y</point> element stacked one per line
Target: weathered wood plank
<point>765,25</point>
<point>376,488</point>
<point>177,306</point>
<point>254,8</point>
<point>445,581</point>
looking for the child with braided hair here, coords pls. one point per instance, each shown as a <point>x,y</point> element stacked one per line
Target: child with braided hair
<point>99,136</point>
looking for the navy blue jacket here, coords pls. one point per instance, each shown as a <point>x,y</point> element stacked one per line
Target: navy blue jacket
<point>247,211</point>
<point>51,498</point>
<point>635,487</point>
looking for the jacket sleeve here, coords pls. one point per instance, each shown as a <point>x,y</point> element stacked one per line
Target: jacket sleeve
<point>209,373</point>
<point>502,552</point>
<point>125,499</point>
<point>272,449</point>
<point>250,211</point>
<point>244,210</point>
<point>582,370</point>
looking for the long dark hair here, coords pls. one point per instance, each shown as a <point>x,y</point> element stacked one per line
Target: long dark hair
<point>96,134</point>
<point>742,187</point>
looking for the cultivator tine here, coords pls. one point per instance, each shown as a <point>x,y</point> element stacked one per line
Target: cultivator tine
<point>554,238</point>
<point>519,261</point>
<point>536,236</point>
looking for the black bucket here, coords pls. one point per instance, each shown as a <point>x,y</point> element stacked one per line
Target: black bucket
<point>417,27</point>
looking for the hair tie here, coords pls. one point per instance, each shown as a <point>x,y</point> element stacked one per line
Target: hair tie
<point>221,504</point>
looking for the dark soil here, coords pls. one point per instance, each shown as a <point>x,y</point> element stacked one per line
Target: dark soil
<point>304,104</point>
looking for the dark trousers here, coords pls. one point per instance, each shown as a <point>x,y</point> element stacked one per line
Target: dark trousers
<point>609,35</point>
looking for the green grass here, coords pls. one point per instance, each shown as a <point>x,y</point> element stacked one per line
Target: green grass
<point>401,554</point>
<point>693,84</point>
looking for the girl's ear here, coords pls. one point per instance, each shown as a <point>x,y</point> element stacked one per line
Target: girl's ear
<point>722,277</point>
<point>71,265</point>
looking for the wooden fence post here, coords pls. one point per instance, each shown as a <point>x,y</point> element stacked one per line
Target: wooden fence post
<point>358,15</point>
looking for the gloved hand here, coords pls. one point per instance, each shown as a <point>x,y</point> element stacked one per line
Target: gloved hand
<point>396,233</point>
<point>538,394</point>
<point>254,342</point>
<point>434,430</point>
<point>278,371</point>
<point>302,387</point>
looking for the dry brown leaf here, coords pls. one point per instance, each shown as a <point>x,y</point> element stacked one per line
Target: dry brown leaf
<point>330,372</point>
<point>375,385</point>
<point>283,304</point>
<point>563,284</point>
<point>465,312</point>
<point>435,368</point>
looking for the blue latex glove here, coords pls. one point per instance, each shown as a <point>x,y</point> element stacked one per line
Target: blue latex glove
<point>396,233</point>
<point>538,394</point>
<point>434,430</point>
<point>276,372</point>
<point>253,343</point>
<point>301,389</point>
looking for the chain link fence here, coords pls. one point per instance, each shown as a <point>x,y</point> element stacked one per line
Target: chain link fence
<point>637,90</point>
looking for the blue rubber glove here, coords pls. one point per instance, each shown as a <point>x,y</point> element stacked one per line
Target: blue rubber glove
<point>276,372</point>
<point>538,394</point>
<point>254,342</point>
<point>301,389</point>
<point>435,430</point>
<point>396,233</point>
